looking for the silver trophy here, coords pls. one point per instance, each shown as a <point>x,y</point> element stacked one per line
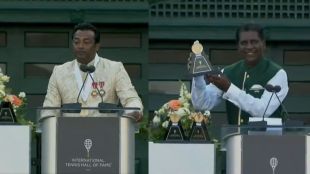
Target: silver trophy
<point>200,63</point>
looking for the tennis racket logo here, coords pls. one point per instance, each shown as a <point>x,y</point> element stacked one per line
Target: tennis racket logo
<point>88,144</point>
<point>273,163</point>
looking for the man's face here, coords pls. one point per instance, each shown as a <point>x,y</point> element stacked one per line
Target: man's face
<point>251,47</point>
<point>84,46</point>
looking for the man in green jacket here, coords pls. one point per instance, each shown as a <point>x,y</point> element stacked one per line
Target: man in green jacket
<point>242,84</point>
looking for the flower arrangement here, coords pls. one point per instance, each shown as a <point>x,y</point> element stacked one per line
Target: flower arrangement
<point>19,102</point>
<point>183,108</point>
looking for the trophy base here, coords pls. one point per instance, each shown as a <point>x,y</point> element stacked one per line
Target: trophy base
<point>175,133</point>
<point>212,72</point>
<point>7,114</point>
<point>199,134</point>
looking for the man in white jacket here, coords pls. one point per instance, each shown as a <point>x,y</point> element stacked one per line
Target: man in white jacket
<point>110,77</point>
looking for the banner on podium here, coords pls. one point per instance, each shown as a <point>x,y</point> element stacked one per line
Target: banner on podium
<point>88,146</point>
<point>273,154</point>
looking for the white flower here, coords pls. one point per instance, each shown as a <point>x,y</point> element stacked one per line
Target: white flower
<point>1,74</point>
<point>207,113</point>
<point>22,95</point>
<point>166,106</point>
<point>161,111</point>
<point>165,124</point>
<point>186,105</point>
<point>5,78</point>
<point>182,112</point>
<point>188,96</point>
<point>156,120</point>
<point>2,93</point>
<point>182,100</point>
<point>2,87</point>
<point>10,97</point>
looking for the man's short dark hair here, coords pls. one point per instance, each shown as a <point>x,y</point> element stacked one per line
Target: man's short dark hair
<point>250,27</point>
<point>87,26</point>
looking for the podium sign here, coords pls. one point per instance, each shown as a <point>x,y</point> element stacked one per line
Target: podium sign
<point>266,151</point>
<point>88,146</point>
<point>273,154</point>
<point>71,144</point>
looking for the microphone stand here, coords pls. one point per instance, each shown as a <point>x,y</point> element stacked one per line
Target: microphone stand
<point>263,123</point>
<point>267,106</point>
<point>103,107</point>
<point>77,100</point>
<point>288,122</point>
<point>74,107</point>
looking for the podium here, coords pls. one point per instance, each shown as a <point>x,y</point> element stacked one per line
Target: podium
<point>102,143</point>
<point>15,149</point>
<point>272,149</point>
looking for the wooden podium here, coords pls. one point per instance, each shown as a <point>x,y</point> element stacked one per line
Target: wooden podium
<point>73,144</point>
<point>274,149</point>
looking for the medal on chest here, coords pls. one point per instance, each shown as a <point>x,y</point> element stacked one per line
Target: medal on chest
<point>94,91</point>
<point>97,86</point>
<point>101,85</point>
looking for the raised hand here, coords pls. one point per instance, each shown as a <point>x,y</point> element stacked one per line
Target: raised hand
<point>220,81</point>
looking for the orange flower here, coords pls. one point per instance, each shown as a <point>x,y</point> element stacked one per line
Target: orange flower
<point>174,104</point>
<point>15,100</point>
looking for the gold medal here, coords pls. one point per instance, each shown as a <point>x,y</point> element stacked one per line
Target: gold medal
<point>102,92</point>
<point>197,48</point>
<point>94,93</point>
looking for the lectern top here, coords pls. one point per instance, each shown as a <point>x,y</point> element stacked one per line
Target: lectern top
<point>47,112</point>
<point>232,130</point>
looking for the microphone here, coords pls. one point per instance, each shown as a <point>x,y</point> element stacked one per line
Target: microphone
<point>274,89</point>
<point>87,69</point>
<point>103,107</point>
<point>84,68</point>
<point>288,122</point>
<point>271,88</point>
